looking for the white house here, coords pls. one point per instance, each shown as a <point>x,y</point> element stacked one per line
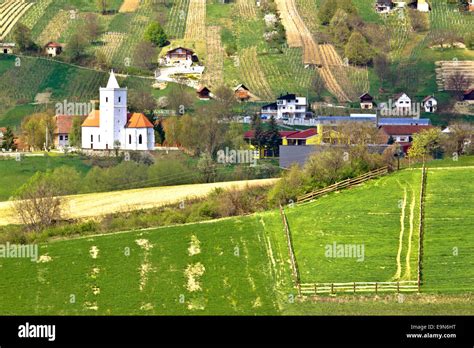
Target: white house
<point>6,48</point>
<point>402,102</point>
<point>384,6</point>
<point>422,6</point>
<point>53,49</point>
<point>113,127</point>
<point>286,106</point>
<point>430,104</point>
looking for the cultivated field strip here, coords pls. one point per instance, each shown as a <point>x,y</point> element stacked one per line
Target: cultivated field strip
<point>129,6</point>
<point>54,29</point>
<point>446,69</point>
<point>196,20</point>
<point>247,8</point>
<point>32,16</point>
<point>112,42</point>
<point>10,14</point>
<point>98,204</point>
<point>253,75</point>
<point>214,74</point>
<point>176,25</point>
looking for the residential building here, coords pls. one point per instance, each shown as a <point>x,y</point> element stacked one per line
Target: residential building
<point>203,93</point>
<point>430,104</point>
<point>7,48</point>
<point>180,56</point>
<point>366,101</point>
<point>53,49</point>
<point>286,106</point>
<point>113,127</point>
<point>242,93</point>
<point>384,6</point>
<point>63,130</point>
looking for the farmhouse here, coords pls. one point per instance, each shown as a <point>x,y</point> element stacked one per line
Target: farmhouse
<point>471,5</point>
<point>384,6</point>
<point>113,127</point>
<point>62,130</point>
<point>241,93</point>
<point>180,56</point>
<point>400,134</point>
<point>469,96</point>
<point>203,93</point>
<point>366,101</point>
<point>422,6</point>
<point>53,49</point>
<point>430,104</point>
<point>402,102</point>
<point>6,48</point>
<point>286,106</point>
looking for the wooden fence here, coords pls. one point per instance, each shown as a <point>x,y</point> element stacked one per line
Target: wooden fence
<point>343,184</point>
<point>294,265</point>
<point>421,225</point>
<point>358,287</point>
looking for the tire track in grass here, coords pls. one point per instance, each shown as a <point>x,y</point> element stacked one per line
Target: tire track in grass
<point>407,274</point>
<point>400,238</point>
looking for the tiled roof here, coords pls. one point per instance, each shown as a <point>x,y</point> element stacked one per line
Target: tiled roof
<point>403,129</point>
<point>138,120</point>
<point>93,120</point>
<point>303,134</point>
<point>63,124</point>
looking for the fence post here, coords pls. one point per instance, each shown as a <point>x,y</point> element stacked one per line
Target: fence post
<point>398,287</point>
<point>354,287</point>
<point>376,286</point>
<point>332,288</point>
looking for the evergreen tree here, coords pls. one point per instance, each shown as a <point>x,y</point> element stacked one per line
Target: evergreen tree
<point>160,133</point>
<point>8,140</point>
<point>273,136</point>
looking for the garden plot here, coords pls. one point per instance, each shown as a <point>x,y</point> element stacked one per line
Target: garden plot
<point>196,20</point>
<point>214,73</point>
<point>446,69</point>
<point>10,14</point>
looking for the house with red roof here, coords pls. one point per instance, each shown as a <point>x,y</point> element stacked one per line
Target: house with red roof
<point>112,126</point>
<point>401,134</point>
<point>53,49</point>
<point>63,129</point>
<point>291,138</point>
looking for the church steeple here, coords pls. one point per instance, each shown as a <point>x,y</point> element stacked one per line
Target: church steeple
<point>112,81</point>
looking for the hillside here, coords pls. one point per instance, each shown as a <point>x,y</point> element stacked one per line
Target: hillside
<point>241,265</point>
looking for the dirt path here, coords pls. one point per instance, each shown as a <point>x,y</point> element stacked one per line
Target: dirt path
<point>400,238</point>
<point>98,204</point>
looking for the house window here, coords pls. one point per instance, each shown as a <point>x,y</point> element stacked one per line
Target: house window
<point>60,137</point>
<point>66,137</point>
<point>140,139</point>
<point>129,138</point>
<point>106,99</point>
<point>92,138</point>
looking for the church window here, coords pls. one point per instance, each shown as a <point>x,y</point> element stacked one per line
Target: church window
<point>129,138</point>
<point>120,99</point>
<point>92,138</point>
<point>106,99</point>
<point>140,139</point>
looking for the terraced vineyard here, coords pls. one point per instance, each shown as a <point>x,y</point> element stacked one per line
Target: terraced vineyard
<point>54,29</point>
<point>247,8</point>
<point>176,25</point>
<point>10,13</point>
<point>253,75</point>
<point>195,21</point>
<point>214,73</point>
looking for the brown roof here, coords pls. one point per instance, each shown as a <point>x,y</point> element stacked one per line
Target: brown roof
<point>180,48</point>
<point>63,124</point>
<point>202,88</point>
<point>53,44</point>
<point>138,120</point>
<point>404,129</point>
<point>428,98</point>
<point>93,120</point>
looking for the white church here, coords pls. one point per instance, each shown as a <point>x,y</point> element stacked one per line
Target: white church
<point>113,127</point>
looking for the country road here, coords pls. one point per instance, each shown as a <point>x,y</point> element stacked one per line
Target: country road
<point>97,204</point>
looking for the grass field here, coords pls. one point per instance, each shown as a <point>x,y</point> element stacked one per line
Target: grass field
<point>13,174</point>
<point>368,216</point>
<point>210,268</point>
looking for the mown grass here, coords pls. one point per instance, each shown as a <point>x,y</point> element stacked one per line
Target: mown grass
<point>237,278</point>
<point>369,216</point>
<point>448,264</point>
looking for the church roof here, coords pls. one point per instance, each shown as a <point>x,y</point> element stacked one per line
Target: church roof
<point>93,120</point>
<point>112,81</point>
<point>138,120</point>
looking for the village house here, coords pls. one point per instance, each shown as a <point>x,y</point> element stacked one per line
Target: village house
<point>113,127</point>
<point>7,48</point>
<point>469,96</point>
<point>180,56</point>
<point>402,102</point>
<point>471,5</point>
<point>53,49</point>
<point>422,6</point>
<point>241,93</point>
<point>430,104</point>
<point>287,106</point>
<point>366,101</point>
<point>384,6</point>
<point>63,129</point>
<point>203,93</point>
<point>400,134</point>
